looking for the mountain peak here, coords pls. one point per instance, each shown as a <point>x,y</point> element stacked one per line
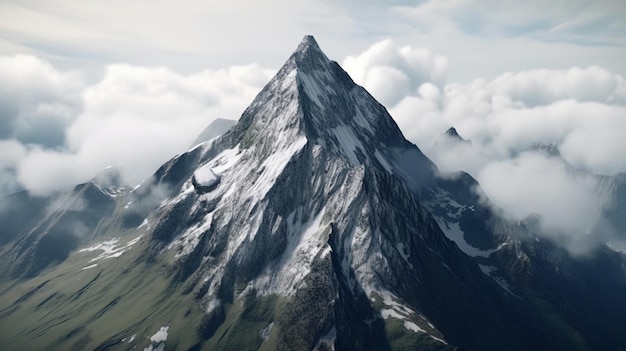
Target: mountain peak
<point>308,55</point>
<point>312,97</point>
<point>550,150</point>
<point>451,135</point>
<point>308,43</point>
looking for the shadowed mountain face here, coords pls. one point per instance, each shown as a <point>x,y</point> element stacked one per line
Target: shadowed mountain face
<point>47,229</point>
<point>310,224</point>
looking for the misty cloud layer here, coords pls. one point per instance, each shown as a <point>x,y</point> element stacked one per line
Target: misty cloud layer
<point>58,130</point>
<point>581,110</point>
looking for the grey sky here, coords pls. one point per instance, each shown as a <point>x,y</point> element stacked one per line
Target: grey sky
<point>481,38</point>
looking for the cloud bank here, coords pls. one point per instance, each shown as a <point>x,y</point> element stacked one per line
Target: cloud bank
<point>581,110</point>
<point>391,73</point>
<point>58,130</point>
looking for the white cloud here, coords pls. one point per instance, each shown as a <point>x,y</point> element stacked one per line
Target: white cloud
<point>598,140</point>
<point>42,171</point>
<point>580,109</point>
<point>11,153</point>
<point>37,102</point>
<point>589,127</point>
<point>568,202</point>
<point>137,118</point>
<point>419,119</point>
<point>539,87</point>
<point>571,107</point>
<point>389,73</point>
<point>134,118</point>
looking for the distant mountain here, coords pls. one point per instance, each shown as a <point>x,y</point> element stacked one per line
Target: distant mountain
<point>450,138</point>
<point>550,150</point>
<point>611,217</point>
<point>452,133</point>
<point>311,224</point>
<point>216,128</point>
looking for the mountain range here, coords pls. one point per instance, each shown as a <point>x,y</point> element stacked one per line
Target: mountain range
<point>309,224</point>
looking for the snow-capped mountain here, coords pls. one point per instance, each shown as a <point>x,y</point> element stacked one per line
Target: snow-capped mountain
<point>312,223</point>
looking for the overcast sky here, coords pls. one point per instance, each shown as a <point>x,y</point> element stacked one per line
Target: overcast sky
<point>87,84</point>
<point>482,39</point>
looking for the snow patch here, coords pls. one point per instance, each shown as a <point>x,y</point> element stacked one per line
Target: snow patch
<point>205,177</point>
<point>617,246</point>
<point>490,271</point>
<point>413,327</point>
<point>273,166</point>
<point>160,335</point>
<point>110,248</point>
<point>386,313</point>
<point>399,311</point>
<point>191,237</point>
<point>486,269</point>
<point>265,332</point>
<point>303,245</point>
<point>157,341</point>
<point>225,160</point>
<point>144,223</point>
<point>504,285</point>
<point>213,304</point>
<point>453,231</point>
<point>159,347</point>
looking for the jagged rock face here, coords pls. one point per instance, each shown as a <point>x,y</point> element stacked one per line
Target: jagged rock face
<point>318,203</point>
<point>303,188</point>
<point>311,224</point>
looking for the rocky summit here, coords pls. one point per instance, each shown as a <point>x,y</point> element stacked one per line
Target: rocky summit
<point>311,224</point>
